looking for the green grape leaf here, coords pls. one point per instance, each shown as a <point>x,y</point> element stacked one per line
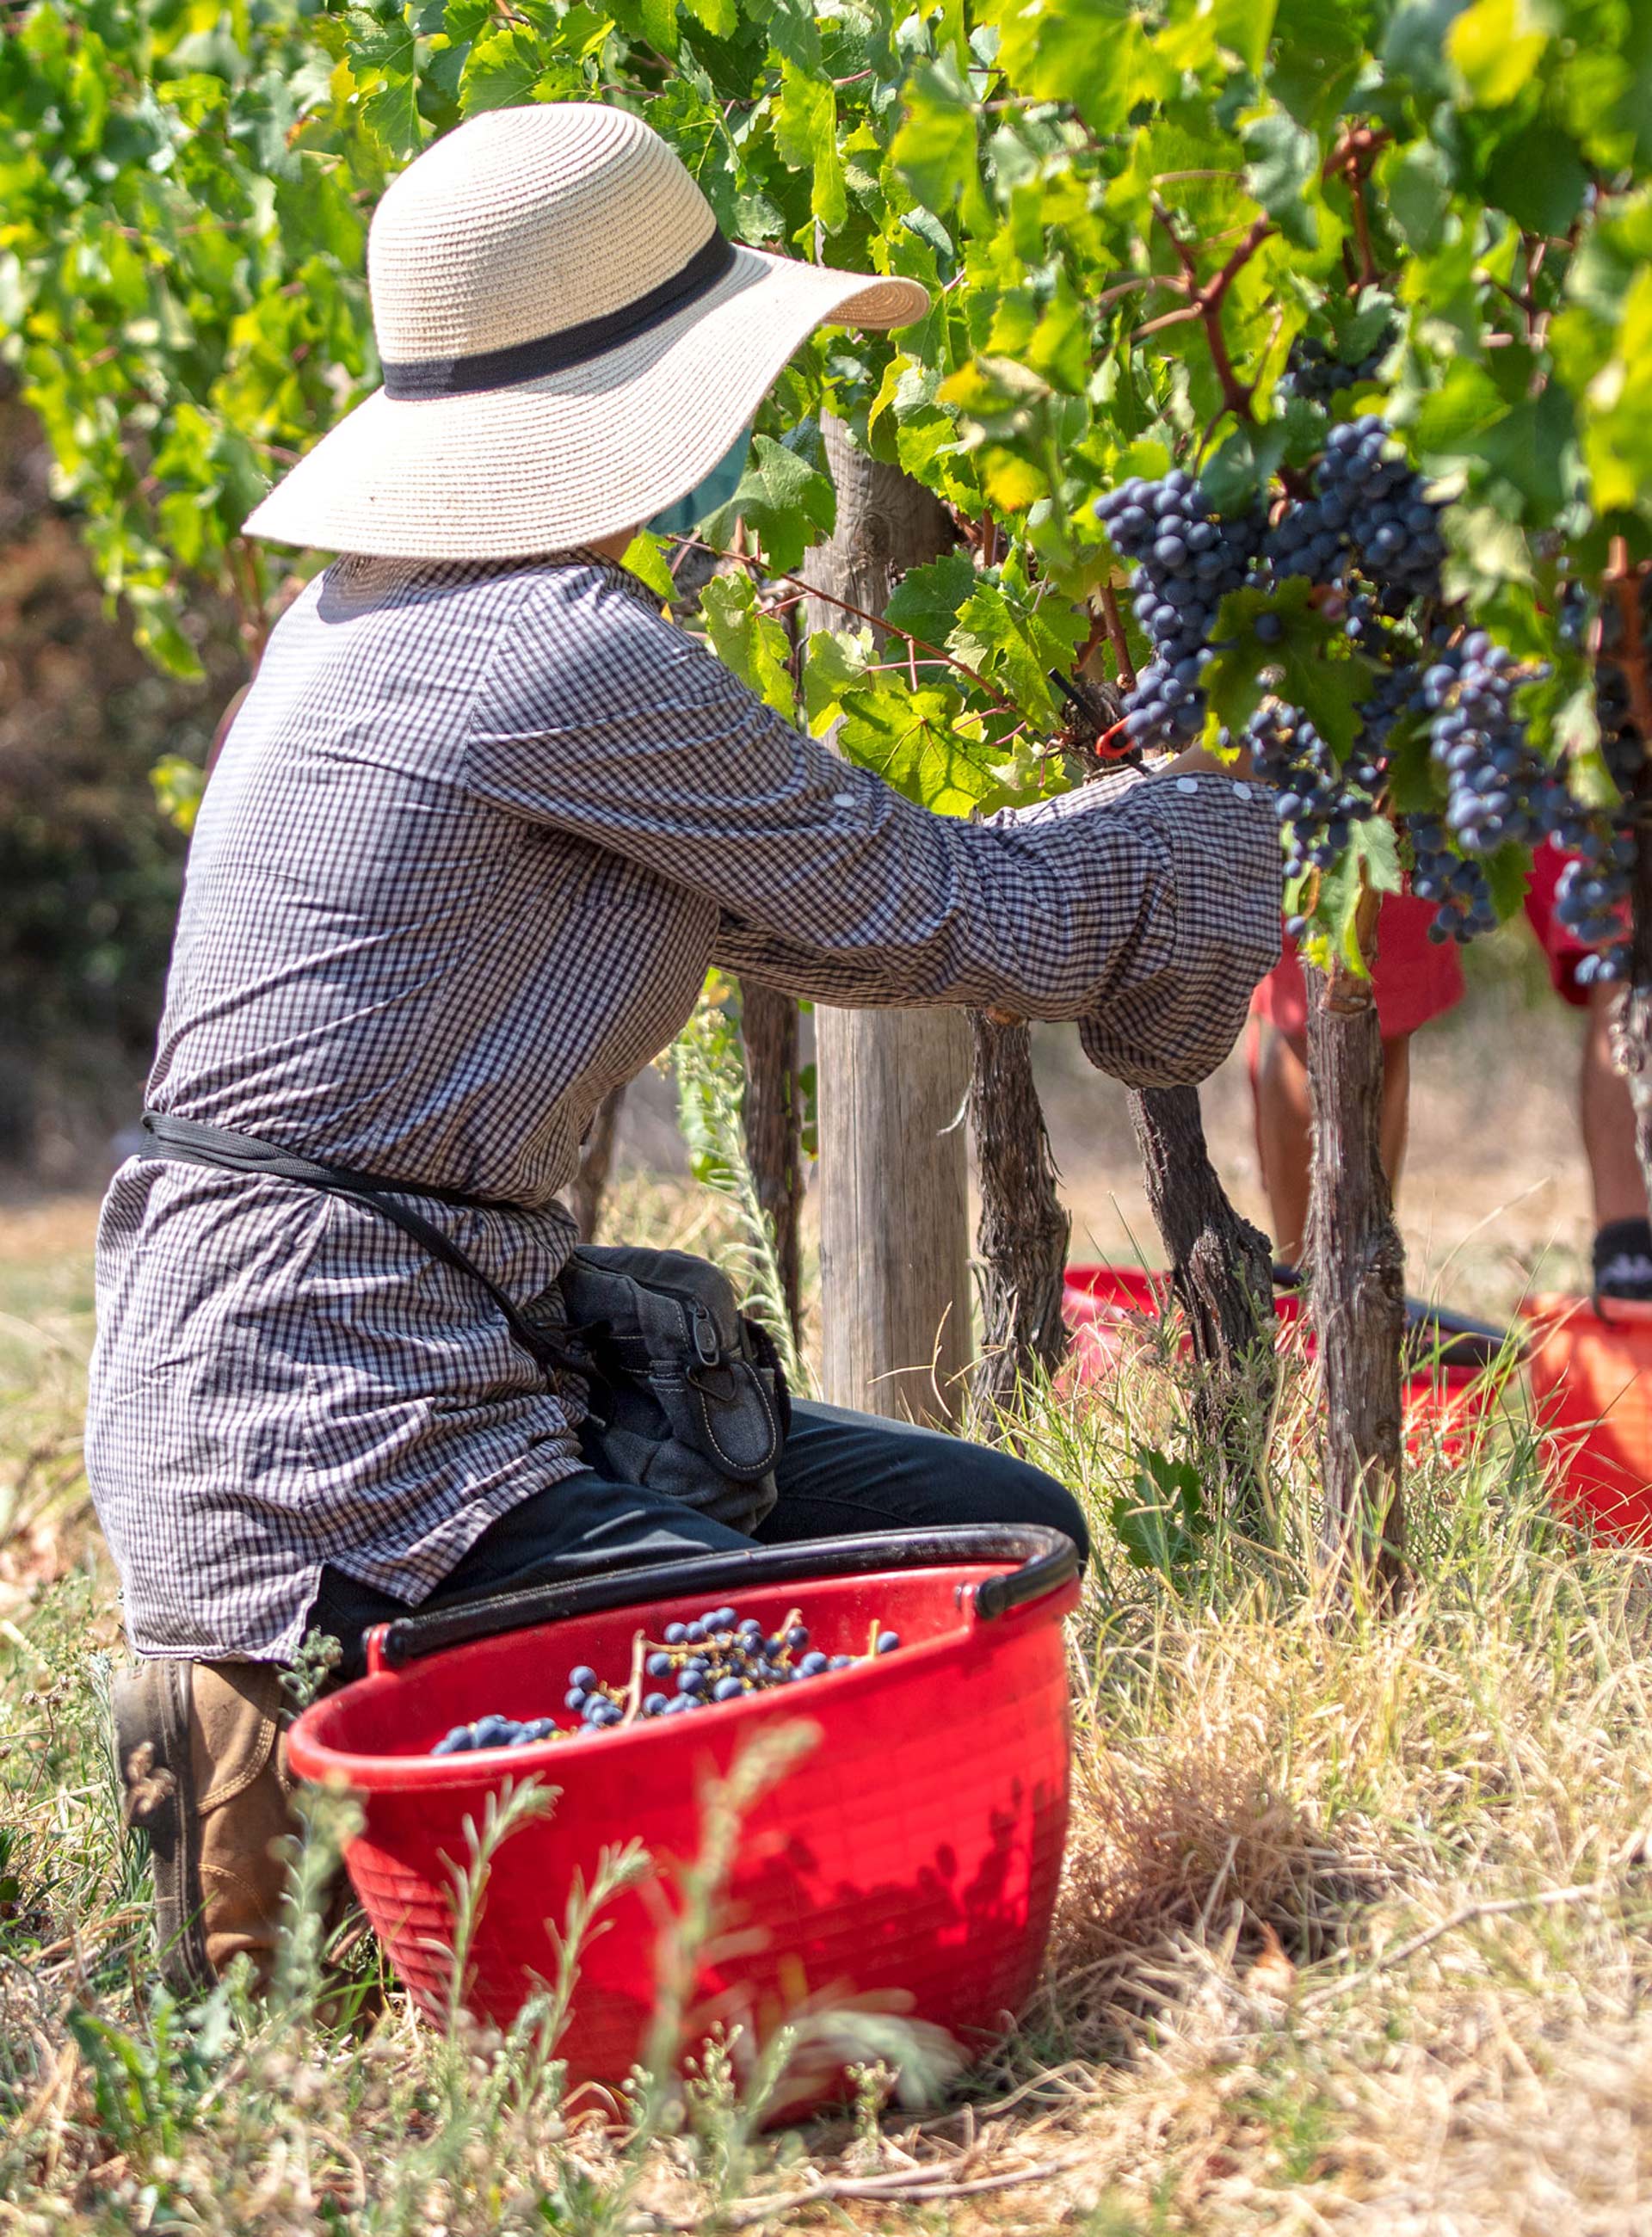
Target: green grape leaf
<point>1284,164</point>
<point>836,663</point>
<point>927,600</point>
<point>1014,641</point>
<point>1244,26</point>
<point>1317,54</point>
<point>380,43</point>
<point>1418,182</point>
<point>654,22</point>
<point>1537,176</point>
<point>915,742</point>
<point>1467,402</point>
<point>720,17</point>
<point>782,496</point>
<point>1413,786</point>
<point>645,556</point>
<point>1097,55</point>
<point>935,150</point>
<point>1508,871</point>
<point>504,69</point>
<point>1370,860</point>
<point>1496,46</point>
<point>751,643</point>
<point>805,135</point>
<point>1305,664</point>
<point>793,33</point>
<point>391,113</point>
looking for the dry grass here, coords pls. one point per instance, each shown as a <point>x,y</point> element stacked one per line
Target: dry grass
<point>1354,1936</point>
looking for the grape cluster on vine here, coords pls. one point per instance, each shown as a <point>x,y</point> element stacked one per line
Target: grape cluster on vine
<point>1368,537</point>
<point>1592,899</point>
<point>1499,790</point>
<point>1315,372</point>
<point>1188,558</point>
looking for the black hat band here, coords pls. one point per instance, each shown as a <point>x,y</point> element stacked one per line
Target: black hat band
<point>418,380</point>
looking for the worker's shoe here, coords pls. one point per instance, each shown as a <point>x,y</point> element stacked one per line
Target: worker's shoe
<point>202,1771</point>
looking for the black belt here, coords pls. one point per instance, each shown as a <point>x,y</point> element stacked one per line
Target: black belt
<point>188,1142</point>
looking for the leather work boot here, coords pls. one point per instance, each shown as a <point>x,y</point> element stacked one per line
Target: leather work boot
<point>203,1773</point>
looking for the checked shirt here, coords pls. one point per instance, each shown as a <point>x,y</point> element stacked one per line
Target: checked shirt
<point>475,838</point>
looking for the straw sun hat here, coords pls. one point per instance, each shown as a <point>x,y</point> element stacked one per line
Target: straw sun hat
<point>568,344</point>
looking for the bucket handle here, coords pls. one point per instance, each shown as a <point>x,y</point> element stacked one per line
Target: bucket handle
<point>1047,1558</point>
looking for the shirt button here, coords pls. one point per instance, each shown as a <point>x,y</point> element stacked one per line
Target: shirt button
<point>1241,792</point>
<point>1187,784</point>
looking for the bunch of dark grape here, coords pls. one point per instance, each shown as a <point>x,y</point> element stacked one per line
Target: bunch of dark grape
<point>1592,898</point>
<point>1188,559</point>
<point>1314,371</point>
<point>1499,790</point>
<point>1368,534</point>
<point>1317,797</point>
<point>1366,491</point>
<point>718,1657</point>
<point>1621,745</point>
<point>1394,693</point>
<point>1304,541</point>
<point>1463,900</point>
<point>1575,612</point>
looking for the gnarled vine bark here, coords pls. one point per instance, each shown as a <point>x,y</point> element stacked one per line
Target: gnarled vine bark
<point>774,1127</point>
<point>1357,1276</point>
<point>1221,1269</point>
<point>1022,1234</point>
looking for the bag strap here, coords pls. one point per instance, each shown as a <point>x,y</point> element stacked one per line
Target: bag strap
<point>191,1142</point>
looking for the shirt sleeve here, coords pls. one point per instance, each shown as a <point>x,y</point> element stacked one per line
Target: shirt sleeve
<point>1145,908</point>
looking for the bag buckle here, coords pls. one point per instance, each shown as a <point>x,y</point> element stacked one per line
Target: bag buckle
<point>707,1345</point>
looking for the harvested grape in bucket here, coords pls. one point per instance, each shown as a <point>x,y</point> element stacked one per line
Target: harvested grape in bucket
<point>717,1658</point>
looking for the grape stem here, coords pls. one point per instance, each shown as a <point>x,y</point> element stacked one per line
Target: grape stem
<point>1205,302</point>
<point>634,1691</point>
<point>890,629</point>
<point>1351,158</point>
<point>1125,668</point>
<point>1356,180</point>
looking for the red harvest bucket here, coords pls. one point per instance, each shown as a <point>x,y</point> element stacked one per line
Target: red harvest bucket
<point>907,1866</point>
<point>1591,1388</point>
<point>1107,1309</point>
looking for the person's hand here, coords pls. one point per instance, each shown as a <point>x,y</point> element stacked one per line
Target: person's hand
<point>1198,761</point>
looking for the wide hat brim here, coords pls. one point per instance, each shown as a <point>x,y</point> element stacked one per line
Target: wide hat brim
<point>573,456</point>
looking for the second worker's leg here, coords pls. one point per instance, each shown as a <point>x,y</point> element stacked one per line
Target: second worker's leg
<point>1622,1236</point>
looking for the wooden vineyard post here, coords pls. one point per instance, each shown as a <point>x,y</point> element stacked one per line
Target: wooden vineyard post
<point>1356,1268</point>
<point>774,1129</point>
<point>1022,1238</point>
<point>589,1183</point>
<point>894,1184</point>
<point>1222,1270</point>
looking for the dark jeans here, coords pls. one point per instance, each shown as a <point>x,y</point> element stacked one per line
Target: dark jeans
<point>841,1474</point>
